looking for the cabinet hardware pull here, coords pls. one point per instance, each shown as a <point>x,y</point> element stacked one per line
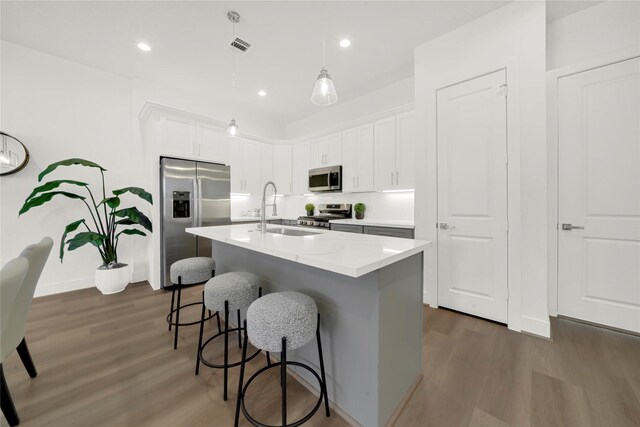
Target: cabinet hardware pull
<point>396,177</point>
<point>391,178</point>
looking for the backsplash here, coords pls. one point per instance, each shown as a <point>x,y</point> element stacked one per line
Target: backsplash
<point>397,206</point>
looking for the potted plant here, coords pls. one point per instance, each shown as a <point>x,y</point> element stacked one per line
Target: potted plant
<point>103,228</point>
<point>309,207</point>
<point>359,209</point>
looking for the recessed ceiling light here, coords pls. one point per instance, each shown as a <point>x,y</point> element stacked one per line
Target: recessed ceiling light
<point>262,93</point>
<point>345,43</point>
<point>144,47</point>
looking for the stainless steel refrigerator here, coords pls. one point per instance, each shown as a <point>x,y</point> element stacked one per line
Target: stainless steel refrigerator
<point>193,194</point>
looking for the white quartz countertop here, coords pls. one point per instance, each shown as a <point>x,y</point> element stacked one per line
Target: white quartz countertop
<point>395,223</point>
<point>344,253</point>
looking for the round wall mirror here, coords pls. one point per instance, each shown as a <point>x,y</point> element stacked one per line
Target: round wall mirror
<point>14,156</point>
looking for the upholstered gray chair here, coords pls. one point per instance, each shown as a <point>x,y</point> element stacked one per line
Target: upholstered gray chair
<point>16,300</point>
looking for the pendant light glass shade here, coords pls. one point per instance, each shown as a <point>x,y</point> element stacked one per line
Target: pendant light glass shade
<point>232,129</point>
<point>324,93</point>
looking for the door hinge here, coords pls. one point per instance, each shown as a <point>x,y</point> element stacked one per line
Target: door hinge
<point>507,225</point>
<point>506,158</point>
<point>505,90</point>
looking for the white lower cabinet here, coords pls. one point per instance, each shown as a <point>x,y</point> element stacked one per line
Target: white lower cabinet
<point>301,155</point>
<point>357,159</point>
<point>282,168</point>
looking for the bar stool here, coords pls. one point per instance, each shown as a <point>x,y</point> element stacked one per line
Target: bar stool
<point>188,271</point>
<point>280,322</point>
<point>226,293</point>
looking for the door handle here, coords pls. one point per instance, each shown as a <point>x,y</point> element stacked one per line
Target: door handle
<point>445,226</point>
<point>396,177</point>
<point>391,178</point>
<point>569,227</point>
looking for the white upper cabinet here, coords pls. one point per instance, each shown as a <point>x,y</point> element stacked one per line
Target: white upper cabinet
<point>394,152</point>
<point>357,159</point>
<point>349,160</point>
<point>245,166</point>
<point>178,136</point>
<point>266,163</point>
<point>190,138</point>
<point>212,143</point>
<point>282,172</point>
<point>326,151</point>
<point>301,154</point>
<point>405,150</point>
<point>385,153</point>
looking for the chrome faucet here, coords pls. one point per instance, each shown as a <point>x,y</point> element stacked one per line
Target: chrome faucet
<point>263,219</point>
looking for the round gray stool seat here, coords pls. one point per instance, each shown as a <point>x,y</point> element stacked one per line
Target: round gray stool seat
<point>282,314</point>
<point>192,270</point>
<point>239,288</point>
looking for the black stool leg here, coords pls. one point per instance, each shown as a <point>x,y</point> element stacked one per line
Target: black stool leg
<point>283,380</point>
<point>173,296</point>
<point>23,351</point>
<point>218,319</point>
<point>239,331</point>
<point>324,379</point>
<point>8,409</point>
<point>241,379</point>
<point>200,337</point>
<point>175,339</point>
<point>226,347</point>
<point>268,359</point>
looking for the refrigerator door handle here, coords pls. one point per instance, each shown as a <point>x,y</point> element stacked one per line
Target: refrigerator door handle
<point>195,206</point>
<point>199,201</point>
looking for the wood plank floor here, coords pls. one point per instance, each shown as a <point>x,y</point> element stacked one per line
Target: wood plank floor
<point>108,361</point>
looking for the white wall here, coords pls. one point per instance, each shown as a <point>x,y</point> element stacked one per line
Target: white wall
<point>61,109</point>
<point>600,30</point>
<point>386,98</point>
<point>511,37</point>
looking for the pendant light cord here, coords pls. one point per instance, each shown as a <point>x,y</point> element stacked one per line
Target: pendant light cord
<point>233,72</point>
<point>324,56</point>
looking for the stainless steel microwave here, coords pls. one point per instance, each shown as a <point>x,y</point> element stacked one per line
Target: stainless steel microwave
<point>325,179</point>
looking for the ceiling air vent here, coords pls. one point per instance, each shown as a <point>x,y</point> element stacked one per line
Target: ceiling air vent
<point>239,45</point>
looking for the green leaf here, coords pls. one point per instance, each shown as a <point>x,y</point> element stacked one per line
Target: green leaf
<point>85,237</point>
<point>131,231</point>
<point>125,221</point>
<point>112,202</point>
<point>68,162</point>
<point>70,228</point>
<point>44,198</point>
<point>137,191</point>
<point>136,216</point>
<point>51,185</point>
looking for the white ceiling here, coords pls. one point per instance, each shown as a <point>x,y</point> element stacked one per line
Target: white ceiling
<point>189,41</point>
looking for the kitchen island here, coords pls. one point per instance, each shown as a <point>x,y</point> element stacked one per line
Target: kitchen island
<point>369,294</point>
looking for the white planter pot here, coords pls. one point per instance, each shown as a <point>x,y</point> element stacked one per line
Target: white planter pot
<point>114,280</point>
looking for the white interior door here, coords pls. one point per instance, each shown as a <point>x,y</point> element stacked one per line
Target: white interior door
<point>472,197</point>
<point>599,189</point>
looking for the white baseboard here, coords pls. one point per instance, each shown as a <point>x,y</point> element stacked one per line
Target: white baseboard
<point>44,289</point>
<point>533,326</point>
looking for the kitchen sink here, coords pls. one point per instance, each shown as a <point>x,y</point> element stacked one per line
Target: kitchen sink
<point>290,232</point>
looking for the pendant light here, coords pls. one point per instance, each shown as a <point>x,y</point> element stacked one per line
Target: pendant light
<point>232,129</point>
<point>324,93</point>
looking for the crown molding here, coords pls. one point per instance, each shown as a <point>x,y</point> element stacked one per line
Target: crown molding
<point>150,107</point>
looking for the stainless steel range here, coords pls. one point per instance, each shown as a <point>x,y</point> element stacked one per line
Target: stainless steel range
<point>326,213</point>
